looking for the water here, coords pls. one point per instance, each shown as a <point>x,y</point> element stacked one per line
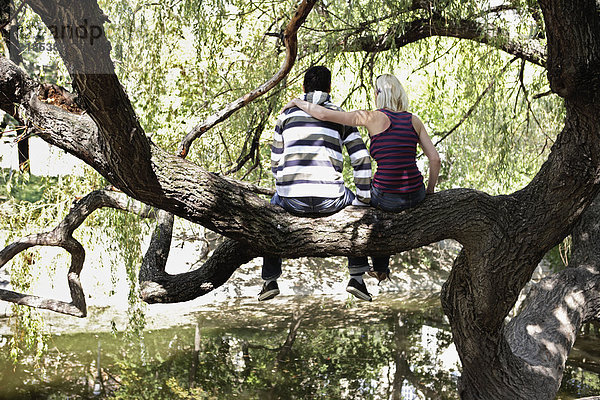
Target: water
<point>297,347</point>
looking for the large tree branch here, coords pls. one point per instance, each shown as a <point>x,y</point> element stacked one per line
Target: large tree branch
<point>439,26</point>
<point>290,40</point>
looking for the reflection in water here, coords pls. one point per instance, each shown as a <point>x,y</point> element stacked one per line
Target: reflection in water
<point>291,349</point>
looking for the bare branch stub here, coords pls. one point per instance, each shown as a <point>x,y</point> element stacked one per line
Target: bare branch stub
<point>290,40</point>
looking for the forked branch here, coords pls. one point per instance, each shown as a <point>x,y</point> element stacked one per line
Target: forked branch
<point>156,285</point>
<point>62,236</point>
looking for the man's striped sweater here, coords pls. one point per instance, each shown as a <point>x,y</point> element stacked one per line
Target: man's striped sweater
<point>307,158</point>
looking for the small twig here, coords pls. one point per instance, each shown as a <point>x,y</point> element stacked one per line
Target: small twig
<point>17,11</point>
<point>529,108</point>
<point>367,62</point>
<point>477,101</point>
<point>499,9</point>
<point>17,129</point>
<point>422,66</point>
<point>244,158</point>
<point>540,95</point>
<point>254,139</point>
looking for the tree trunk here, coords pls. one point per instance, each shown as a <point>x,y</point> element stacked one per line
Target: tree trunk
<point>503,237</point>
<point>10,34</point>
<point>525,359</point>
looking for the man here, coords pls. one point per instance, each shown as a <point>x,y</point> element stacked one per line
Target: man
<point>307,163</point>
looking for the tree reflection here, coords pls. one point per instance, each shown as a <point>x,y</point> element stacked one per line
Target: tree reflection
<point>319,350</point>
<point>333,356</point>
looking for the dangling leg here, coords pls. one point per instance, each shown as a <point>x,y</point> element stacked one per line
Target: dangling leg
<point>357,266</point>
<point>271,270</point>
<point>380,268</point>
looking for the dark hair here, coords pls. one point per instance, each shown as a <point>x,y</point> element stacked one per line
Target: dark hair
<point>317,78</point>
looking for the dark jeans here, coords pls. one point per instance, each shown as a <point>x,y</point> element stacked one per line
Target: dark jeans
<point>308,207</point>
<point>395,202</point>
<point>390,202</point>
<point>313,206</point>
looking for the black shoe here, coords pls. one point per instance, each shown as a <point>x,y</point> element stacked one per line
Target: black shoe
<point>269,290</point>
<point>358,290</point>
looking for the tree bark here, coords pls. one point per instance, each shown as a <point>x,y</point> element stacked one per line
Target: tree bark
<point>503,237</point>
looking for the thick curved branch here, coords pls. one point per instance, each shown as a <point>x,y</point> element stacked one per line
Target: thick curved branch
<point>157,286</point>
<point>290,40</point>
<point>87,58</point>
<point>543,334</point>
<point>61,236</point>
<point>439,26</point>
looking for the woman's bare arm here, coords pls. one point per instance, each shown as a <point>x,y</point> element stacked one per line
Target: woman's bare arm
<point>430,152</point>
<point>372,120</point>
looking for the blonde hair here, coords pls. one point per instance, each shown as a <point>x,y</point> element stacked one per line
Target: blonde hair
<point>390,93</point>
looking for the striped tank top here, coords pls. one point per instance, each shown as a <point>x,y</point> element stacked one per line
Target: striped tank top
<point>395,151</point>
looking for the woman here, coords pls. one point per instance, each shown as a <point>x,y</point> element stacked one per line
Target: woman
<point>395,133</point>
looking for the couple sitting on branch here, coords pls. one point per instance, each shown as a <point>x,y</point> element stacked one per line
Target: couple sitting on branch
<point>307,163</point>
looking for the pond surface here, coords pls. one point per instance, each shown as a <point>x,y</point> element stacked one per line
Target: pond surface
<point>295,347</point>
